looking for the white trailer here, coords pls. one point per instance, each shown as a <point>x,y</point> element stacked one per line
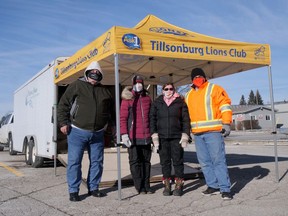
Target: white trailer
<point>35,122</point>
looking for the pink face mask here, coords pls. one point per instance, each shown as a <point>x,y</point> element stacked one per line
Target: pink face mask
<point>198,81</point>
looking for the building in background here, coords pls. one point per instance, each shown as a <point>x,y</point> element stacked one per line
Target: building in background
<point>250,117</point>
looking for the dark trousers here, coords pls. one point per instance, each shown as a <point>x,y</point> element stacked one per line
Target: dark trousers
<point>140,165</point>
<point>171,151</point>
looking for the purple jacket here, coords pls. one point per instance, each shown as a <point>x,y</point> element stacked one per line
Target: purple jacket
<point>134,116</point>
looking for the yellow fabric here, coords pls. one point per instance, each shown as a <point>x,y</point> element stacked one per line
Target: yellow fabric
<point>158,38</point>
<point>209,107</point>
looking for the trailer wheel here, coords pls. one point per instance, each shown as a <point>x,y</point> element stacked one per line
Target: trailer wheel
<point>10,143</point>
<point>36,161</point>
<point>28,154</point>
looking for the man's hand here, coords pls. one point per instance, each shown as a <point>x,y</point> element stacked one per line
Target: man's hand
<point>64,129</point>
<point>226,129</point>
<point>184,140</point>
<point>126,141</point>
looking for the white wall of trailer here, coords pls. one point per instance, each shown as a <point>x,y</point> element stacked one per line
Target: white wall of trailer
<point>33,104</point>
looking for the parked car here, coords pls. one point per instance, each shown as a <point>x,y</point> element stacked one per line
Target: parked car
<point>6,135</point>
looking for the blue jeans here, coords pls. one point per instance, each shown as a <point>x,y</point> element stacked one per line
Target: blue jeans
<point>210,149</point>
<point>78,141</point>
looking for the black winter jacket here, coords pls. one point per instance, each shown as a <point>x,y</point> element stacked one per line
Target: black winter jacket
<point>169,122</point>
<point>85,105</point>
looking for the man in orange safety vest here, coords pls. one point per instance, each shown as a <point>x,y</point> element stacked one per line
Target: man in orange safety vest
<point>210,115</point>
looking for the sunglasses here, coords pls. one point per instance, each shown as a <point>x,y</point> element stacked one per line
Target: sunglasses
<point>166,89</point>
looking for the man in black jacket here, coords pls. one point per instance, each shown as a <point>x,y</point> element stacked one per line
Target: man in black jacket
<point>83,114</point>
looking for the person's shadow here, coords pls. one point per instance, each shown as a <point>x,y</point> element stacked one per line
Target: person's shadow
<point>240,177</point>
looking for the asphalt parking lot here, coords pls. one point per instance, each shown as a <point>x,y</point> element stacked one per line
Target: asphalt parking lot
<point>29,191</point>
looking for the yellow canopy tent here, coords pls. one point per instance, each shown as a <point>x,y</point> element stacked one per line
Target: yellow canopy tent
<point>162,52</point>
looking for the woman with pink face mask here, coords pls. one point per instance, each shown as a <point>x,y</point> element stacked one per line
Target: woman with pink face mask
<point>170,129</point>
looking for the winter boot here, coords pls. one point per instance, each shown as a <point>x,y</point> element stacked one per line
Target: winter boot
<point>148,189</point>
<point>178,191</point>
<point>167,186</point>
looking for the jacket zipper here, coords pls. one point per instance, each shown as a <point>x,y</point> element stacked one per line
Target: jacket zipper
<point>142,113</point>
<point>95,101</point>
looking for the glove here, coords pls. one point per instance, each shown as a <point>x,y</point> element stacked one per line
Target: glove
<point>226,129</point>
<point>126,141</point>
<point>184,140</point>
<point>155,140</point>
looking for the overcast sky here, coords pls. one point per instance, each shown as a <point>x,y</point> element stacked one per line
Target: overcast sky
<point>34,32</point>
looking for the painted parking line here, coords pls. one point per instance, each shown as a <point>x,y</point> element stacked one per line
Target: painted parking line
<point>10,169</point>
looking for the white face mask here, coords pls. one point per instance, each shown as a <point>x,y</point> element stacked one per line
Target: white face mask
<point>168,94</point>
<point>138,87</point>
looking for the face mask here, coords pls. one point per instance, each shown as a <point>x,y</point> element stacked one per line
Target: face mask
<point>138,87</point>
<point>198,81</point>
<point>168,94</point>
<point>95,76</point>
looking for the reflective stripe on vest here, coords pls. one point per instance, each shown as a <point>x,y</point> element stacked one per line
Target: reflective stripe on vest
<point>225,107</point>
<point>207,124</point>
<point>208,108</point>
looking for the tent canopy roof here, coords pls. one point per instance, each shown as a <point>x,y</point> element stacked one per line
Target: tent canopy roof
<point>161,53</point>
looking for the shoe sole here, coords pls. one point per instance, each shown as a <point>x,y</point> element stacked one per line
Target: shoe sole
<point>226,198</point>
<point>74,199</point>
<point>177,194</point>
<point>164,194</point>
<point>211,194</point>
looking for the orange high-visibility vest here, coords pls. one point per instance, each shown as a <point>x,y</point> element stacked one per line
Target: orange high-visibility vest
<point>209,107</point>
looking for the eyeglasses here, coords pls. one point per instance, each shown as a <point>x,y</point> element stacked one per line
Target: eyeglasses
<point>166,89</point>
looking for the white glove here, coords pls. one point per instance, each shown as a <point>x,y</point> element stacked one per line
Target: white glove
<point>226,129</point>
<point>184,140</point>
<point>155,140</point>
<point>126,141</point>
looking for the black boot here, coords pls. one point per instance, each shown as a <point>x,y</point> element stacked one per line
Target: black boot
<point>167,187</point>
<point>148,189</point>
<point>96,193</point>
<point>74,197</point>
<point>178,191</point>
<point>142,191</point>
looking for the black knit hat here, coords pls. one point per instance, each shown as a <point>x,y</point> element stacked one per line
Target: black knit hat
<point>197,72</point>
<point>137,79</point>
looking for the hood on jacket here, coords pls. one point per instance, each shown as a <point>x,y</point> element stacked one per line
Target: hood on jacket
<point>94,65</point>
<point>127,93</point>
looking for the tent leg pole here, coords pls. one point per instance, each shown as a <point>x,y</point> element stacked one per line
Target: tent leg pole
<point>273,124</point>
<point>117,103</point>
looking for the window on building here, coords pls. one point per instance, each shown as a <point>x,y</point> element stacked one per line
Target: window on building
<point>253,117</point>
<point>268,117</point>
